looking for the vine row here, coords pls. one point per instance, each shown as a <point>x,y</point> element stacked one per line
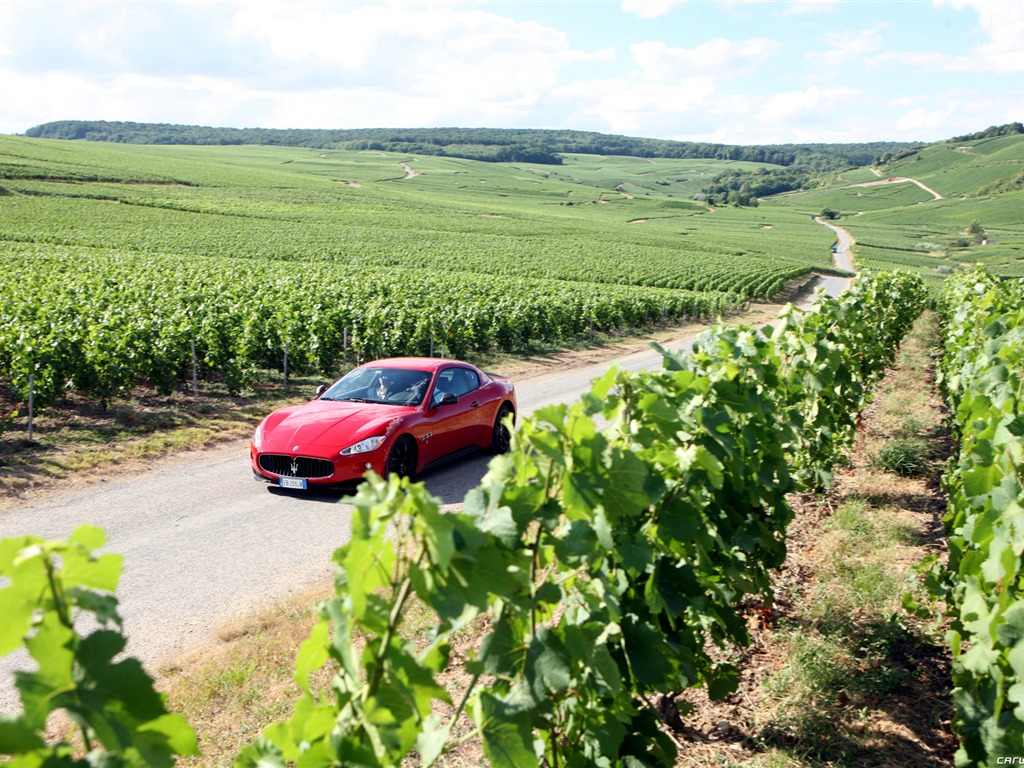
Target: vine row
<point>982,584</point>
<point>100,324</point>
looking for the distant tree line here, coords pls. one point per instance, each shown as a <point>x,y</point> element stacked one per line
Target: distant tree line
<point>1010,129</point>
<point>487,144</point>
<point>900,154</point>
<point>740,187</point>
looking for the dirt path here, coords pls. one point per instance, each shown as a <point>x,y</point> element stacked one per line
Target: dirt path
<point>837,674</point>
<point>899,180</point>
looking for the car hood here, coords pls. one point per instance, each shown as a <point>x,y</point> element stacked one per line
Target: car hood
<point>326,424</point>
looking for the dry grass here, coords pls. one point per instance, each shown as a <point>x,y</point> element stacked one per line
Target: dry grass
<point>232,691</point>
<point>78,441</point>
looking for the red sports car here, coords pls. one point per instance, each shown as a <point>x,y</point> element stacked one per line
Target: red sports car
<point>399,415</point>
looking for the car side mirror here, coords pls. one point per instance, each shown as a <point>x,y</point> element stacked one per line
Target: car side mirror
<point>320,390</point>
<point>447,399</point>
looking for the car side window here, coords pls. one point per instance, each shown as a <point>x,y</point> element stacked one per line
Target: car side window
<point>458,381</point>
<point>445,383</point>
<point>472,380</point>
<point>458,387</point>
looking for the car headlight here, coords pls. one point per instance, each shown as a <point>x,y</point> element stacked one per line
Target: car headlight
<point>257,438</point>
<point>369,444</point>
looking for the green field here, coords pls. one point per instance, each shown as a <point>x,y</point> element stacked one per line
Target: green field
<point>358,209</point>
<point>118,258</point>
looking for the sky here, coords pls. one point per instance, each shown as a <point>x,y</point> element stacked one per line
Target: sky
<point>723,71</point>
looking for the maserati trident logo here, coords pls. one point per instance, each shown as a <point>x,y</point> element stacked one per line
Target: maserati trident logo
<point>295,467</point>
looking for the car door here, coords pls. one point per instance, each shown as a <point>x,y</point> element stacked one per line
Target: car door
<point>453,423</point>
<point>478,431</point>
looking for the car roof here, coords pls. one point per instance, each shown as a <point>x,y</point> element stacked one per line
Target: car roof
<point>415,363</point>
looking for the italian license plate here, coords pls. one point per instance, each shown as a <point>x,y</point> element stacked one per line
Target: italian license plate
<point>292,482</point>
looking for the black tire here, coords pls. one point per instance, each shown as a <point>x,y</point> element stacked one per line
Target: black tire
<point>401,458</point>
<point>501,437</point>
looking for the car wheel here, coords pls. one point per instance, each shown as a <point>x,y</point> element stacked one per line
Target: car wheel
<point>402,458</point>
<point>501,437</point>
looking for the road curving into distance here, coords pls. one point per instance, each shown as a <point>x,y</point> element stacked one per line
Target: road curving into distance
<point>203,544</point>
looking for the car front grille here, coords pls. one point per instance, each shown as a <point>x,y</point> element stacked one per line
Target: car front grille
<point>301,466</point>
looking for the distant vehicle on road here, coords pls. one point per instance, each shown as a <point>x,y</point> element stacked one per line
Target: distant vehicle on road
<point>398,415</point>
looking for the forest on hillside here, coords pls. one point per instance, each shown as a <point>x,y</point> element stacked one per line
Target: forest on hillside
<point>486,144</point>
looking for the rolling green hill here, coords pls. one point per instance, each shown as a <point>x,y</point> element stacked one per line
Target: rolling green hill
<point>897,224</point>
<point>371,208</point>
<point>964,168</point>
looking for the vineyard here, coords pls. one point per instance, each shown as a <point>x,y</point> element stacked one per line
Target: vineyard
<point>605,566</point>
<point>126,265</point>
<point>609,565</point>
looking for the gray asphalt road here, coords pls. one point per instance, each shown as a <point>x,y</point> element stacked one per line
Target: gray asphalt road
<point>203,543</point>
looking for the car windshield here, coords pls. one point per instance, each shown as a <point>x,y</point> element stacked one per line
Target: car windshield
<point>394,386</point>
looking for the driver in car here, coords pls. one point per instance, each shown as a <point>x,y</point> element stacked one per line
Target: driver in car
<point>390,388</point>
<point>386,386</point>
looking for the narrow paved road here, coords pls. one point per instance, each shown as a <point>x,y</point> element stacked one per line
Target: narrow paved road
<point>843,257</point>
<point>203,543</point>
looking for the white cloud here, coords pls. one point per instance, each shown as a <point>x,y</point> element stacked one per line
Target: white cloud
<point>807,107</point>
<point>311,36</point>
<point>6,22</point>
<point>122,97</point>
<point>446,52</point>
<point>923,121</point>
<point>649,9</point>
<point>624,106</point>
<point>703,71</point>
<point>848,46</point>
<point>725,58</point>
<point>812,6</point>
<point>954,113</point>
<point>1003,22</point>
<point>323,64</point>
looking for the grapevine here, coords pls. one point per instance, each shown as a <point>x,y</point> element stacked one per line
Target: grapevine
<point>982,376</point>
